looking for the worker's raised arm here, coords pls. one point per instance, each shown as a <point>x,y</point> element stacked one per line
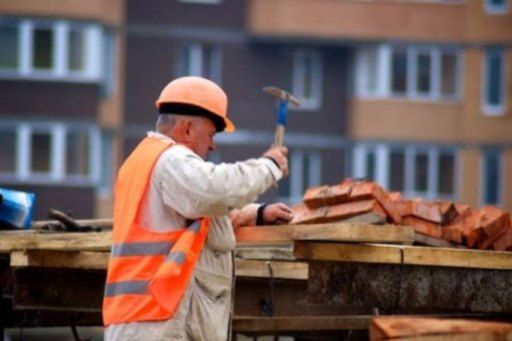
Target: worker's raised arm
<point>195,188</point>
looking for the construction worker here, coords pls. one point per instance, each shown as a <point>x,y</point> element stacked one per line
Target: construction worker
<point>170,273</point>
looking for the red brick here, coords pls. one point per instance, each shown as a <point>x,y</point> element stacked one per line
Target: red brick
<point>452,233</point>
<point>504,242</point>
<point>494,220</point>
<point>440,212</point>
<point>303,215</point>
<point>351,209</point>
<point>338,194</point>
<point>395,196</point>
<point>423,226</point>
<point>315,196</point>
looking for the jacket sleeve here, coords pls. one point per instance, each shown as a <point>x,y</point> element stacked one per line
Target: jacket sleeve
<point>195,188</point>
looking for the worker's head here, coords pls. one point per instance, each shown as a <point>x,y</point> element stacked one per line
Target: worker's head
<point>192,109</point>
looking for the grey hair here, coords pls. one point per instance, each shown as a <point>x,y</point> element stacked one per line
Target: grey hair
<point>166,122</point>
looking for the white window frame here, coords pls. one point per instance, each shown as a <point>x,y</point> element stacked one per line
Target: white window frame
<point>494,109</point>
<point>483,177</point>
<point>59,70</point>
<point>384,80</point>
<point>203,2</point>
<point>313,102</point>
<point>296,177</point>
<point>496,10</point>
<point>57,171</point>
<point>383,162</point>
<point>196,61</point>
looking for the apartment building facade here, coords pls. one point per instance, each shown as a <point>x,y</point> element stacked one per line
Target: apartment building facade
<point>413,94</point>
<point>60,101</point>
<point>429,114</point>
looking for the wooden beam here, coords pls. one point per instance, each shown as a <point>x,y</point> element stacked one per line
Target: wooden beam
<point>243,324</point>
<point>403,254</point>
<point>341,232</point>
<point>431,241</point>
<point>282,251</point>
<point>398,327</point>
<point>60,259</point>
<point>69,241</point>
<point>360,253</point>
<point>99,260</point>
<point>450,257</point>
<point>280,270</point>
<point>355,233</point>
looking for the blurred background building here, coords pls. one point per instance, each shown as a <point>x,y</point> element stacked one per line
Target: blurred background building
<point>413,94</point>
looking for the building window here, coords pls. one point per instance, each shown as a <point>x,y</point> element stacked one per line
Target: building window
<point>305,172</point>
<point>496,6</point>
<point>9,46</point>
<point>411,72</point>
<point>206,2</point>
<point>416,171</point>
<point>307,79</point>
<point>201,60</point>
<point>491,177</point>
<point>494,82</point>
<point>45,49</point>
<point>399,72</point>
<point>45,152</point>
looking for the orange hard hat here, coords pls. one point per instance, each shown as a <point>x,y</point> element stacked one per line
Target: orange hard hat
<point>198,97</point>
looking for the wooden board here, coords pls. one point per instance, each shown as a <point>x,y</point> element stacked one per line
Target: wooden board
<point>280,270</point>
<point>346,232</point>
<point>283,251</point>
<point>398,327</point>
<point>88,241</point>
<point>99,260</point>
<point>354,233</point>
<point>431,241</point>
<point>60,259</point>
<point>403,254</point>
<point>298,323</point>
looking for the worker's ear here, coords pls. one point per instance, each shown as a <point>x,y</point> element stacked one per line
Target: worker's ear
<point>187,128</point>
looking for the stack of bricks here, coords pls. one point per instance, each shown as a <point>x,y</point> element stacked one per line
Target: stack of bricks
<point>487,228</point>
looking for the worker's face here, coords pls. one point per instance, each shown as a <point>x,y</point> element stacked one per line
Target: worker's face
<point>201,136</point>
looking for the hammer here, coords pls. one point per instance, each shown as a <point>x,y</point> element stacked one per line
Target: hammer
<point>284,98</point>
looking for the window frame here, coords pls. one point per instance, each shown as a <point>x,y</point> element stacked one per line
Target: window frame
<point>483,176</point>
<point>496,9</point>
<point>298,70</point>
<point>59,70</point>
<point>487,108</point>
<point>196,61</point>
<point>383,163</point>
<point>57,172</point>
<point>296,177</point>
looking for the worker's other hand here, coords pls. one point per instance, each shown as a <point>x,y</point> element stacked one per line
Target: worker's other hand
<point>280,156</point>
<point>277,214</point>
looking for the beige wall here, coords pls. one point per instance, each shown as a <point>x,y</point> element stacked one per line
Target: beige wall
<point>379,19</point>
<point>106,11</point>
<point>469,179</point>
<point>111,110</point>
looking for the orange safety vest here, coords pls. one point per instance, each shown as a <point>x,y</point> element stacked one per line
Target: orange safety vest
<point>148,272</point>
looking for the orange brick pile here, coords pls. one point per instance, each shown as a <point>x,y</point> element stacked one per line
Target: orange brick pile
<point>487,228</point>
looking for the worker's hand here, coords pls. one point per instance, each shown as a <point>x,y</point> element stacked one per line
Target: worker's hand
<point>277,214</point>
<point>280,156</point>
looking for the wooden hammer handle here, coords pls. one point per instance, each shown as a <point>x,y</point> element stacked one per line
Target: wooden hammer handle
<point>278,142</point>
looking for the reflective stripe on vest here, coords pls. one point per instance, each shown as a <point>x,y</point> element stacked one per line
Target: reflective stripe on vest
<point>148,272</point>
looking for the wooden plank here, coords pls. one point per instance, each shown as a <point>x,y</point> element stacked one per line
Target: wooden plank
<point>298,323</point>
<point>344,232</point>
<point>280,270</point>
<point>103,223</point>
<point>283,251</point>
<point>450,257</point>
<point>60,259</point>
<point>403,254</point>
<point>264,234</point>
<point>99,260</point>
<point>88,241</point>
<point>398,327</point>
<point>360,253</point>
<point>347,232</point>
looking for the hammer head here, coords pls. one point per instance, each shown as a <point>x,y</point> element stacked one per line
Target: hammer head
<point>281,94</point>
